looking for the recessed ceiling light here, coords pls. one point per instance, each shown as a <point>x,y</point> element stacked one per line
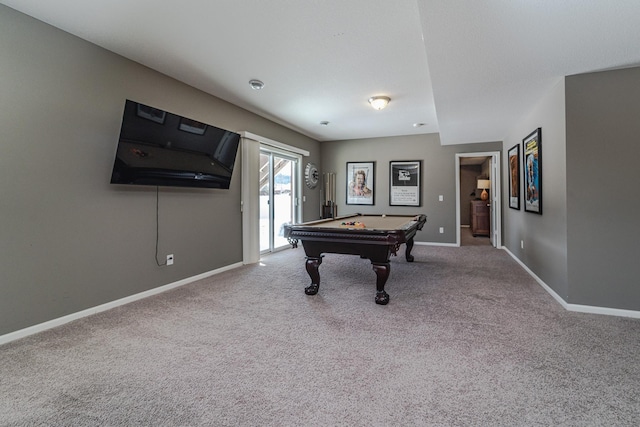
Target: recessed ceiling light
<point>256,84</point>
<point>324,123</point>
<point>418,125</point>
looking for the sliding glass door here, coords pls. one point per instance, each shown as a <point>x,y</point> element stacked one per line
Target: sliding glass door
<point>278,189</point>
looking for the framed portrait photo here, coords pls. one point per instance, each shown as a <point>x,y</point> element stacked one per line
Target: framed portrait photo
<point>360,183</point>
<point>404,185</point>
<point>513,157</point>
<point>532,168</point>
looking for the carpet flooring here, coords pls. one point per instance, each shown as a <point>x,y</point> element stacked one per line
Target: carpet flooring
<point>468,339</point>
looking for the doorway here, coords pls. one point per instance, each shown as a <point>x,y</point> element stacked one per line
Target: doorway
<point>277,188</point>
<point>479,169</point>
<point>252,145</point>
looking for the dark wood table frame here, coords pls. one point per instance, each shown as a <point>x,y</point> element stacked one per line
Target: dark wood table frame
<point>375,244</point>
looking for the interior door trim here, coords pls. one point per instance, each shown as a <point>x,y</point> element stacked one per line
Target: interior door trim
<point>496,200</point>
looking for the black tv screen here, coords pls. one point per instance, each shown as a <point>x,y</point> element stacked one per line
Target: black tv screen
<point>160,148</point>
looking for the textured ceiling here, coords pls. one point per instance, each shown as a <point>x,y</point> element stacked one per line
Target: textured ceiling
<point>478,64</point>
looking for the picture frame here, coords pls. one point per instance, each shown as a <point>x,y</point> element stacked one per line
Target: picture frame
<point>404,183</point>
<point>360,183</point>
<point>532,171</point>
<point>154,114</point>
<point>192,126</point>
<point>513,159</point>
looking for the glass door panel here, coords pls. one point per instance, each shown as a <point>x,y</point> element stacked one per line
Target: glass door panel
<point>277,198</point>
<point>265,201</point>
<point>282,199</point>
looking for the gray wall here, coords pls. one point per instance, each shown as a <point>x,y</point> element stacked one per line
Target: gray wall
<point>68,239</point>
<point>544,236</point>
<point>603,149</point>
<point>583,246</point>
<point>438,177</point>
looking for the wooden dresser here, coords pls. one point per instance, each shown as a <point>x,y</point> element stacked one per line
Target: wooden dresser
<point>480,218</point>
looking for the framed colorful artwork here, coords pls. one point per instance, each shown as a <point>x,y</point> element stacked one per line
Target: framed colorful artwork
<point>513,156</point>
<point>532,167</point>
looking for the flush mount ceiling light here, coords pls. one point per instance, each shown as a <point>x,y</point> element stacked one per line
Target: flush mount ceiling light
<point>379,102</point>
<point>256,84</point>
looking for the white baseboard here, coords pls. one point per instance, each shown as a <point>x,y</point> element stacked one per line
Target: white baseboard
<point>452,245</point>
<point>12,336</point>
<point>576,307</point>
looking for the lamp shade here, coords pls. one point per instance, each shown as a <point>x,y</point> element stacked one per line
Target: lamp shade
<point>484,184</point>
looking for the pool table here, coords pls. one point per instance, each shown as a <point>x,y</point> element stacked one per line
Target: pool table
<point>374,237</point>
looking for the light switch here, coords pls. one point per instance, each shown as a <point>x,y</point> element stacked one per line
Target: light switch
<point>441,197</point>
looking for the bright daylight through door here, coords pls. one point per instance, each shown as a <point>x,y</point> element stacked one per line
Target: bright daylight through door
<point>277,196</point>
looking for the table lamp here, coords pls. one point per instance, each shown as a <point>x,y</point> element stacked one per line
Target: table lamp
<point>483,184</point>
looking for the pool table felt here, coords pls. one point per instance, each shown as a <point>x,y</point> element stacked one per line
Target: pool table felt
<point>371,222</point>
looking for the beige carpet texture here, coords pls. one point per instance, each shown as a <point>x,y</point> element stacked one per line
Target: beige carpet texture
<point>467,339</point>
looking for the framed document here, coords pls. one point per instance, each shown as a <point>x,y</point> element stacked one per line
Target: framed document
<point>404,185</point>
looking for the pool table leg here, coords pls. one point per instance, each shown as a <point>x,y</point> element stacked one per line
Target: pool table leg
<point>382,274</point>
<point>407,252</point>
<point>312,265</point>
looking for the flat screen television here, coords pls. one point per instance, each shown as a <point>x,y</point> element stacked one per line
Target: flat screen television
<point>160,148</point>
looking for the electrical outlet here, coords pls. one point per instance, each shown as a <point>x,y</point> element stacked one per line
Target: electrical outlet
<point>170,259</point>
<point>441,230</point>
